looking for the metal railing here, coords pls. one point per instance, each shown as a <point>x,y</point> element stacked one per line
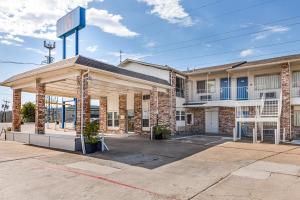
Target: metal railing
<point>235,93</point>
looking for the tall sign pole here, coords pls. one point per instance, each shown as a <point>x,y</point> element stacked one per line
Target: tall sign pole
<point>69,24</point>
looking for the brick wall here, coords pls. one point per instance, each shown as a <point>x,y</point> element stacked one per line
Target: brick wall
<point>16,111</point>
<point>164,108</point>
<point>226,120</point>
<point>122,113</point>
<point>153,106</point>
<point>172,93</point>
<point>86,104</point>
<point>199,118</point>
<point>40,108</point>
<point>103,114</point>
<point>138,113</point>
<point>286,97</point>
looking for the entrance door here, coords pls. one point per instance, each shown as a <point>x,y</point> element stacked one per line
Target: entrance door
<point>212,121</point>
<point>130,121</point>
<point>225,93</point>
<point>242,88</point>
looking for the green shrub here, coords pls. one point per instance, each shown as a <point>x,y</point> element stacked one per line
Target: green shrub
<point>28,112</point>
<point>91,133</point>
<point>161,132</point>
<point>8,129</point>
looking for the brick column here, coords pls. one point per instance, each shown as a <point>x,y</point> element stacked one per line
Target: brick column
<point>88,110</point>
<point>16,111</point>
<point>40,108</point>
<point>122,113</point>
<point>172,93</point>
<point>138,113</point>
<point>153,106</point>
<point>103,114</point>
<point>164,109</point>
<point>285,121</point>
<point>226,120</point>
<point>86,104</point>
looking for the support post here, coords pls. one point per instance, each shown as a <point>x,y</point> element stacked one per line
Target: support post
<point>234,135</point>
<point>40,108</point>
<point>16,111</point>
<point>75,111</point>
<point>63,114</point>
<point>76,42</point>
<point>64,47</point>
<point>254,136</point>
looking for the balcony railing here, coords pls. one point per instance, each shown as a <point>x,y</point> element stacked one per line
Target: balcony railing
<point>235,93</point>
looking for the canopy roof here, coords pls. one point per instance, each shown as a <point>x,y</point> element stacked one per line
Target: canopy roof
<point>61,78</point>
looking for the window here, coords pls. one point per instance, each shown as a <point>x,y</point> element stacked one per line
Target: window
<point>266,82</point>
<point>146,97</point>
<point>297,118</point>
<point>180,115</point>
<point>113,119</point>
<point>177,115</point>
<point>180,87</point>
<point>189,119</point>
<point>296,79</point>
<point>206,86</point>
<point>146,114</point>
<point>296,115</point>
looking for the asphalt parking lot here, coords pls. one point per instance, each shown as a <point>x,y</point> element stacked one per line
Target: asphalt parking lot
<point>186,168</point>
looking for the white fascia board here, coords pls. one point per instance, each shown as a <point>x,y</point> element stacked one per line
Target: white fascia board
<point>124,77</point>
<point>44,69</point>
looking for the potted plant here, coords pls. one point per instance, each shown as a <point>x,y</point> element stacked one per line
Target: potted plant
<point>91,138</point>
<point>161,132</point>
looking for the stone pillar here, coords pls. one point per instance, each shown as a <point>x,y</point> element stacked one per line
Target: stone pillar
<point>40,108</point>
<point>88,110</point>
<point>122,113</point>
<point>172,94</point>
<point>85,101</point>
<point>226,120</point>
<point>138,113</point>
<point>285,121</point>
<point>103,114</point>
<point>164,108</point>
<point>16,111</point>
<point>153,107</point>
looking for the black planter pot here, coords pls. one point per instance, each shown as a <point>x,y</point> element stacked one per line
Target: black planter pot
<point>158,137</point>
<point>91,148</point>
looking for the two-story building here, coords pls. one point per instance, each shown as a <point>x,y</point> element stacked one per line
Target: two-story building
<point>258,97</point>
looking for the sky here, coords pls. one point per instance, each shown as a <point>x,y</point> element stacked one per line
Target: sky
<point>184,34</point>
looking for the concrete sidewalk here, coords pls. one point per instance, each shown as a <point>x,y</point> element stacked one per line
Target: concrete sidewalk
<point>226,171</point>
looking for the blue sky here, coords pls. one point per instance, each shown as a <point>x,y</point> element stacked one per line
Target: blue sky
<point>182,34</point>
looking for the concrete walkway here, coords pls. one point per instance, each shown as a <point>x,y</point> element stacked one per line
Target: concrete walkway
<point>225,171</point>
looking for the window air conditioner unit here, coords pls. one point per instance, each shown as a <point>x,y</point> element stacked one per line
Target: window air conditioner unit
<point>268,95</point>
<point>206,98</point>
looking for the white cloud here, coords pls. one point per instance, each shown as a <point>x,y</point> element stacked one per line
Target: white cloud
<point>246,52</point>
<point>134,56</point>
<point>11,40</point>
<point>150,44</point>
<point>269,31</point>
<point>170,10</point>
<point>108,23</point>
<point>92,48</point>
<point>38,51</point>
<point>6,42</point>
<point>38,18</point>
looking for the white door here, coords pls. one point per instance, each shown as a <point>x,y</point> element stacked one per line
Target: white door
<point>211,121</point>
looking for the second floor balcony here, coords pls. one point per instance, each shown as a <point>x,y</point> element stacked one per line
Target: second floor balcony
<point>235,93</point>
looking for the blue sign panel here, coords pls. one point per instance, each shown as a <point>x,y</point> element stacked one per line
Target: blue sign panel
<point>68,24</point>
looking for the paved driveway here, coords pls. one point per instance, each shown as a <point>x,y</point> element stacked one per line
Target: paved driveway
<point>209,171</point>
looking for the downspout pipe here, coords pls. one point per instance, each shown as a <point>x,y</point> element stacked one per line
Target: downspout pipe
<point>81,113</point>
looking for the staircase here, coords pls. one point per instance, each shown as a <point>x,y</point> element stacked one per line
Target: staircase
<point>261,113</point>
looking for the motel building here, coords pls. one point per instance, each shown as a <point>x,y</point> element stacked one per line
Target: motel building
<point>258,99</point>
